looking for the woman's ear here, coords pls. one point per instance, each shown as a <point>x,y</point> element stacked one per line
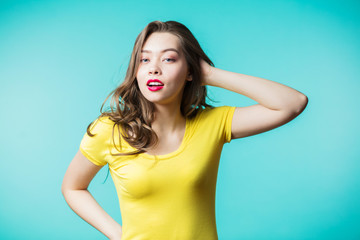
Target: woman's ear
<point>189,77</point>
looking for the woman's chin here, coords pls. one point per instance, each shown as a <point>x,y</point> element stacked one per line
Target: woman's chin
<point>161,100</point>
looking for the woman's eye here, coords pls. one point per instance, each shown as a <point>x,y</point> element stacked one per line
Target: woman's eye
<point>166,59</point>
<point>170,59</point>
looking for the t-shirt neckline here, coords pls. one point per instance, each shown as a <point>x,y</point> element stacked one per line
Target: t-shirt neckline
<point>177,151</point>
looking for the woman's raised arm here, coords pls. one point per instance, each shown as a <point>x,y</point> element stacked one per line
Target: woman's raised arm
<point>278,104</point>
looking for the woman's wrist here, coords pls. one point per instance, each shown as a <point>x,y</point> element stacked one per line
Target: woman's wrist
<point>207,73</point>
<point>210,76</point>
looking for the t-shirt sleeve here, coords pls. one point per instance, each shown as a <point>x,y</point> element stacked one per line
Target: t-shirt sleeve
<point>219,120</point>
<point>228,117</point>
<point>96,148</point>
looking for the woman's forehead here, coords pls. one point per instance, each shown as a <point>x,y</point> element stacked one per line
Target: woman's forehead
<point>161,42</point>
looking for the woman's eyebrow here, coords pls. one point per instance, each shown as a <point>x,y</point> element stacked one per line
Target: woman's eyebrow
<point>165,50</point>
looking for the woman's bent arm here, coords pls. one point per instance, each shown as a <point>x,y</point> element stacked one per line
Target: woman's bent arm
<point>74,189</point>
<point>270,94</point>
<point>277,103</point>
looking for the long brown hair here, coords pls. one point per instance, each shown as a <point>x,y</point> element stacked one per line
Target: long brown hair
<point>133,113</point>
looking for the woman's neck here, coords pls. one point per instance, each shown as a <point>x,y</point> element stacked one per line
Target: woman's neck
<point>168,120</point>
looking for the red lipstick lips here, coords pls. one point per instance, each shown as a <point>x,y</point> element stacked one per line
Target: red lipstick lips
<point>154,84</point>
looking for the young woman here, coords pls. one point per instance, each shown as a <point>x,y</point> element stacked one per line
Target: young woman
<point>163,142</point>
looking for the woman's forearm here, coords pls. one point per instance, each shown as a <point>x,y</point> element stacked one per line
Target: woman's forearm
<point>84,205</point>
<point>268,93</point>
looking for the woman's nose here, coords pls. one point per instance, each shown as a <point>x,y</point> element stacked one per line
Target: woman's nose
<point>154,69</point>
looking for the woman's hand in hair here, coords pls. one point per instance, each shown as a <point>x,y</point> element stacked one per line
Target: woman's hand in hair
<point>206,70</point>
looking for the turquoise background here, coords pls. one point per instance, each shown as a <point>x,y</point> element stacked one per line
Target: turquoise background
<point>60,59</point>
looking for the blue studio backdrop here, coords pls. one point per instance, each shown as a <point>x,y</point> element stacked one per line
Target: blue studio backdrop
<point>60,59</point>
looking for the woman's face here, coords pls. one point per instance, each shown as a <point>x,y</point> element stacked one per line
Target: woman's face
<point>163,63</point>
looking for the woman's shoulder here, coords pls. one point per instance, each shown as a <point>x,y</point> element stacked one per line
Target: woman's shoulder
<point>211,114</point>
<point>105,119</point>
<point>102,125</point>
<point>215,123</point>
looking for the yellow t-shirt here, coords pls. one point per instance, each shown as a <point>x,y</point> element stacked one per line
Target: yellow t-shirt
<point>174,198</point>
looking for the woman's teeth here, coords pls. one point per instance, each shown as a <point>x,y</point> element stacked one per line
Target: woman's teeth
<point>155,84</point>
